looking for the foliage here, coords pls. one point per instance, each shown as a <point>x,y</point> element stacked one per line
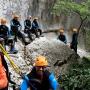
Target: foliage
<point>88,39</point>
<point>69,6</point>
<point>78,77</point>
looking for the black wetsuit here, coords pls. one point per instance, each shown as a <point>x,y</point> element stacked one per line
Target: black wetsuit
<point>74,42</point>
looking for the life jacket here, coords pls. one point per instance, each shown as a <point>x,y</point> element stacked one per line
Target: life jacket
<point>45,85</point>
<point>48,82</point>
<point>3,77</point>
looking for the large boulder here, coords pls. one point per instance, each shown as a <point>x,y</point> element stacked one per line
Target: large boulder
<point>57,53</point>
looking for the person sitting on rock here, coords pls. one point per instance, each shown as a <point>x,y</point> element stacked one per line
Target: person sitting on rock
<point>16,29</point>
<point>27,23</point>
<point>40,78</point>
<point>62,37</point>
<point>15,24</point>
<point>4,36</point>
<point>35,27</point>
<point>27,27</point>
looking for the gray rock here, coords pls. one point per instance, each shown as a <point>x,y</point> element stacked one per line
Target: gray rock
<point>57,53</point>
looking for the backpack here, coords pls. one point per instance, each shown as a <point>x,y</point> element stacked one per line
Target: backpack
<point>3,77</point>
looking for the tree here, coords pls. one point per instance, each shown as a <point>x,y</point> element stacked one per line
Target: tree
<point>71,6</point>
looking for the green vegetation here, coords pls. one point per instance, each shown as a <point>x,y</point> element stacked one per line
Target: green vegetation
<point>67,7</point>
<point>87,40</point>
<point>78,76</point>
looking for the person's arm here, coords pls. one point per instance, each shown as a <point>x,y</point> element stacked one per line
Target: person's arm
<point>37,25</point>
<point>19,23</point>
<point>53,82</point>
<point>24,23</point>
<point>19,26</point>
<point>65,40</point>
<point>33,25</point>
<point>58,37</point>
<point>25,84</point>
<point>8,32</point>
<point>12,23</point>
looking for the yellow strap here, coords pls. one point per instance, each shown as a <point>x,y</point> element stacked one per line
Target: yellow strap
<point>16,68</point>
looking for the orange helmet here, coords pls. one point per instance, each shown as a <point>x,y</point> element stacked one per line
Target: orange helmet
<point>3,21</point>
<point>36,18</point>
<point>74,30</point>
<point>61,30</point>
<point>15,16</point>
<point>41,61</point>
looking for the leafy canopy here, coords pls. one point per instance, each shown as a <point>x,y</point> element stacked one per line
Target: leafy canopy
<point>70,6</point>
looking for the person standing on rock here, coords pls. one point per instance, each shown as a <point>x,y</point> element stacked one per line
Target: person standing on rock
<point>62,37</point>
<point>74,42</point>
<point>39,78</point>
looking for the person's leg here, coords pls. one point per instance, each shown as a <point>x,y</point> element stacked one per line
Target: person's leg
<point>21,35</point>
<point>11,44</point>
<point>15,34</point>
<point>36,33</point>
<point>40,31</point>
<point>75,48</point>
<point>29,35</point>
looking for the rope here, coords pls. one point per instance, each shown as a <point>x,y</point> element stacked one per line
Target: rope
<point>15,67</point>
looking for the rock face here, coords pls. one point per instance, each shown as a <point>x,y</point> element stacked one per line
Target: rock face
<point>57,54</point>
<point>43,10</point>
<point>40,8</point>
